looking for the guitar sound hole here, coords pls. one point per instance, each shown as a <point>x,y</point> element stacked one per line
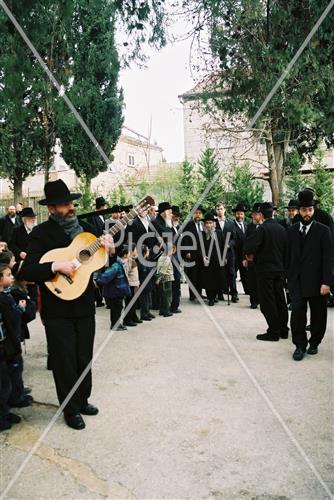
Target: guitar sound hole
<point>84,255</point>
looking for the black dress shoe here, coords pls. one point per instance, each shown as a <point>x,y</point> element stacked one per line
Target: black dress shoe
<point>284,335</point>
<point>152,316</point>
<point>130,323</point>
<point>167,315</point>
<point>177,311</point>
<point>312,350</point>
<point>211,303</point>
<point>12,418</point>
<point>234,299</point>
<point>267,336</point>
<point>75,421</point>
<point>253,306</point>
<point>146,318</point>
<point>137,320</point>
<point>89,409</point>
<point>298,354</point>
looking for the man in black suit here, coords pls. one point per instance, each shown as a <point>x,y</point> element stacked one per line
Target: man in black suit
<point>309,272</point>
<point>190,238</point>
<point>257,219</point>
<point>227,227</point>
<point>212,266</point>
<point>240,236</point>
<point>176,284</point>
<point>8,223</point>
<point>97,221</point>
<point>69,324</point>
<point>267,247</point>
<point>18,243</point>
<point>140,229</point>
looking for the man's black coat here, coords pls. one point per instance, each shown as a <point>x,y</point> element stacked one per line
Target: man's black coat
<point>19,241</point>
<point>240,237</point>
<point>137,229</point>
<point>44,237</point>
<point>7,227</point>
<point>310,261</point>
<point>268,244</point>
<point>191,241</point>
<point>97,223</point>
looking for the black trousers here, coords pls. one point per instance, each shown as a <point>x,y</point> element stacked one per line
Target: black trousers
<point>70,342</point>
<point>272,302</point>
<point>318,308</point>
<point>211,293</point>
<point>243,276</point>
<point>252,284</point>
<point>116,307</point>
<point>194,276</point>
<point>166,297</point>
<point>176,294</point>
<point>15,372</point>
<point>145,304</point>
<point>131,314</point>
<point>5,385</point>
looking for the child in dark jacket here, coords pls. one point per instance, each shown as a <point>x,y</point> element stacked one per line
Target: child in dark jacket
<point>145,298</point>
<point>116,286</point>
<point>8,344</point>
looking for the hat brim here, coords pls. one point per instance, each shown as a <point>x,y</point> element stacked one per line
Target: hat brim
<point>307,204</point>
<point>59,201</point>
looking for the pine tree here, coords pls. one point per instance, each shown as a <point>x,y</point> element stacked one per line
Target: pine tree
<point>186,195</point>
<point>209,169</point>
<point>323,182</point>
<point>295,181</point>
<point>92,88</point>
<point>243,187</point>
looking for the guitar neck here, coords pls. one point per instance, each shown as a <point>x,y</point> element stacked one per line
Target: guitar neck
<point>119,224</point>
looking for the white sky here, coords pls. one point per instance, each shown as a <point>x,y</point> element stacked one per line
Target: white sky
<point>152,93</point>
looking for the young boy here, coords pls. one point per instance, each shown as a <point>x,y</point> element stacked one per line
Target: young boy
<point>164,278</point>
<point>6,418</point>
<point>116,286</point>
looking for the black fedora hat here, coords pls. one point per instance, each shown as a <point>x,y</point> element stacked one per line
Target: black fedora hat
<point>115,208</point>
<point>127,208</point>
<point>27,212</point>
<point>293,204</point>
<point>305,199</point>
<point>209,216</point>
<point>56,192</point>
<point>100,202</point>
<point>164,205</point>
<point>267,206</point>
<point>256,207</point>
<point>200,208</point>
<point>176,210</point>
<point>240,207</point>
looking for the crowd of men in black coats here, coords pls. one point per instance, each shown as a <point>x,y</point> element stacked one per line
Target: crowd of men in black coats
<point>283,264</point>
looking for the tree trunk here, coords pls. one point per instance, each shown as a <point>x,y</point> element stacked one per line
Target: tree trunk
<point>17,188</point>
<point>276,146</point>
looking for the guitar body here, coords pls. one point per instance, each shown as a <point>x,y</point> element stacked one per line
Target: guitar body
<point>70,288</point>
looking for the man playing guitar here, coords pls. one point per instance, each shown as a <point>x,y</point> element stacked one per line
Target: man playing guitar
<point>69,324</point>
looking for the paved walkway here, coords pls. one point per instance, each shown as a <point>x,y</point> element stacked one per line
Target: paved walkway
<point>180,416</point>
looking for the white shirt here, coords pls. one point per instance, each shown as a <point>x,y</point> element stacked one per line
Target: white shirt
<point>241,225</point>
<point>221,222</point>
<point>145,222</point>
<point>199,227</point>
<point>307,227</point>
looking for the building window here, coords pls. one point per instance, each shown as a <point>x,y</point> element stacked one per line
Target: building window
<point>131,160</point>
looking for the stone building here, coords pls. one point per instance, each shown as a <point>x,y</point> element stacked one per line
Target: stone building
<point>134,156</point>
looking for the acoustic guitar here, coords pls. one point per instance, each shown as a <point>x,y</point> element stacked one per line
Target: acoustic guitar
<point>88,255</point>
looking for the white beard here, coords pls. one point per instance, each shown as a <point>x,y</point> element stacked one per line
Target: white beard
<point>169,223</point>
